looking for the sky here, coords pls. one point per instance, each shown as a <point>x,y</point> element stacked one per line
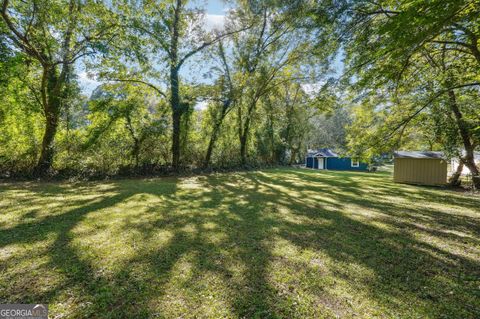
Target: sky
<point>215,14</point>
<point>217,7</point>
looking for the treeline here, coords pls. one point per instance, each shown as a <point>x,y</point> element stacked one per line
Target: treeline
<point>175,95</point>
<point>277,78</point>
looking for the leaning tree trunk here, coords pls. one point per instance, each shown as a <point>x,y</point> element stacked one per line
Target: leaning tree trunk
<point>455,178</point>
<point>211,144</point>
<point>215,132</point>
<point>468,159</point>
<point>51,96</point>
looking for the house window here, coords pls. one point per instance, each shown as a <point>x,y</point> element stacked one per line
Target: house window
<point>355,163</point>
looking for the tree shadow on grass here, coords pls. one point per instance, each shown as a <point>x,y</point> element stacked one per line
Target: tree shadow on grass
<point>98,296</point>
<point>243,241</point>
<point>406,268</point>
<point>360,185</point>
<point>228,230</point>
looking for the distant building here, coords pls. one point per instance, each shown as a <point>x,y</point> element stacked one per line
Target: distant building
<point>325,158</point>
<point>424,168</point>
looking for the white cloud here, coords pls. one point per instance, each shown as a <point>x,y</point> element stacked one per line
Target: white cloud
<point>200,106</point>
<point>87,83</point>
<point>214,21</point>
<point>312,88</point>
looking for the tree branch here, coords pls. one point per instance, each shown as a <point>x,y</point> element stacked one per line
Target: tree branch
<point>466,45</point>
<point>405,122</point>
<point>141,82</point>
<point>208,43</point>
<point>20,39</point>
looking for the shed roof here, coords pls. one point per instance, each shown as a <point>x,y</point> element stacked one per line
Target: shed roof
<point>322,152</point>
<point>418,154</point>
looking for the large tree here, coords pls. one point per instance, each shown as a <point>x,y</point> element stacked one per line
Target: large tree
<point>54,35</point>
<point>274,51</point>
<point>223,100</point>
<point>409,56</point>
<point>160,37</point>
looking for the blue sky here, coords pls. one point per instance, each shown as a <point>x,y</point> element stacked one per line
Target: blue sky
<point>216,7</point>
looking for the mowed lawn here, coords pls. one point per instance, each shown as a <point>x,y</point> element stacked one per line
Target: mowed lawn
<point>279,243</point>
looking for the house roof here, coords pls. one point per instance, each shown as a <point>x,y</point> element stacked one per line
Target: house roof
<point>322,152</point>
<point>418,154</point>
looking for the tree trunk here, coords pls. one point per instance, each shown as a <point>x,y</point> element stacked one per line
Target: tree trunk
<point>240,123</point>
<point>455,178</point>
<point>176,120</point>
<point>175,102</point>
<point>246,129</point>
<point>271,136</point>
<point>244,141</point>
<point>51,100</point>
<point>213,140</point>
<point>211,143</point>
<point>45,161</point>
<point>216,129</point>
<point>176,117</point>
<point>243,148</point>
<point>136,141</point>
<point>468,159</point>
<point>293,155</point>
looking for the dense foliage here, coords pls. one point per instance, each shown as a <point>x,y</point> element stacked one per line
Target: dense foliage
<point>248,107</point>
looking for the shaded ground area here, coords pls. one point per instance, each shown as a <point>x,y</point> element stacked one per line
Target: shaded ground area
<point>280,243</point>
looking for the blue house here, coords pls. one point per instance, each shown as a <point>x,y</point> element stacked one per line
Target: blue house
<point>325,158</point>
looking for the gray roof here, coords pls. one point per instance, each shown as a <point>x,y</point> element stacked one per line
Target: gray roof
<point>322,152</point>
<point>418,154</point>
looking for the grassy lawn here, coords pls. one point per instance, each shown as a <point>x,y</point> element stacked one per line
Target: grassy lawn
<point>279,243</point>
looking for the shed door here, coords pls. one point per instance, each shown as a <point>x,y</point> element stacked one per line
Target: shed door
<point>320,163</point>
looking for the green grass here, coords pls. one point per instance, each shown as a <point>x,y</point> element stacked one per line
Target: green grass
<point>279,243</point>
